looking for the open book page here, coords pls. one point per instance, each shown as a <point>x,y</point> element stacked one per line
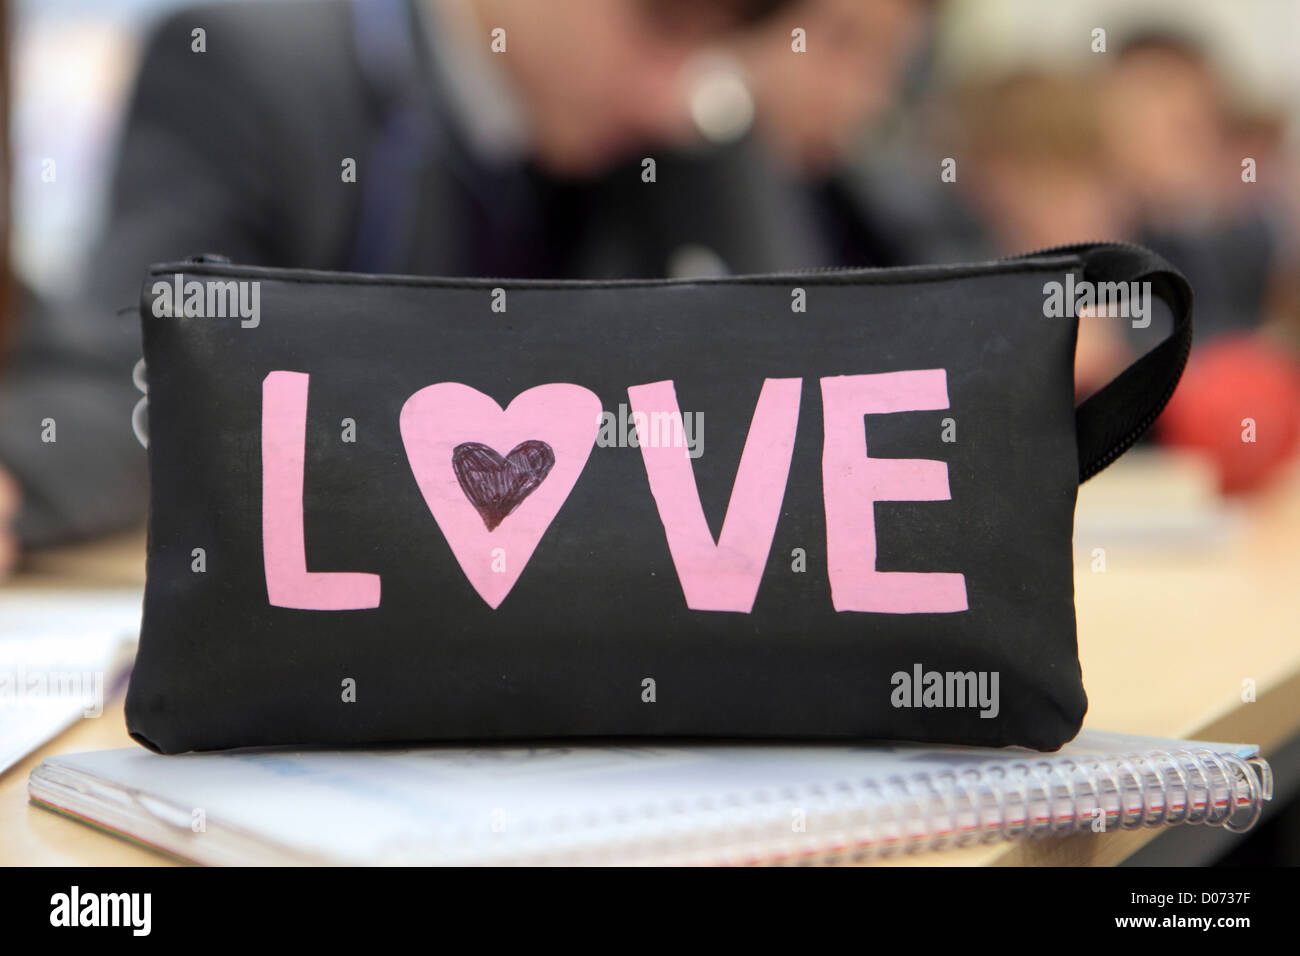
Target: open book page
<point>61,655</point>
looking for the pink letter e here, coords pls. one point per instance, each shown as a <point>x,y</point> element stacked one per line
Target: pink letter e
<point>852,483</point>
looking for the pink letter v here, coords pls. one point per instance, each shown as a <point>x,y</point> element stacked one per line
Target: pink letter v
<point>722,576</point>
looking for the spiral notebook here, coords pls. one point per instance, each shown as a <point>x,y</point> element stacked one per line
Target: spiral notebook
<point>642,804</point>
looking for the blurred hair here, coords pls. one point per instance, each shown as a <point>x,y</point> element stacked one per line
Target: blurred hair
<point>1164,38</point>
<point>739,12</point>
<point>1032,116</point>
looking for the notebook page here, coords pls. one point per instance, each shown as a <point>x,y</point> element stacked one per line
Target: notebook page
<point>61,656</point>
<point>459,803</point>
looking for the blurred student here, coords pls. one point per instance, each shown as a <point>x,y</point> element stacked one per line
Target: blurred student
<point>1166,123</point>
<point>1033,142</point>
<point>489,137</point>
<point>1140,150</point>
<point>1175,143</point>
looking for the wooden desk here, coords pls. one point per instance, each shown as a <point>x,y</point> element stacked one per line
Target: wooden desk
<point>1166,637</point>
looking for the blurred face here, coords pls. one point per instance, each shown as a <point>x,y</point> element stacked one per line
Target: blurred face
<point>602,78</point>
<point>813,105</point>
<point>1163,127</point>
<point>1041,202</point>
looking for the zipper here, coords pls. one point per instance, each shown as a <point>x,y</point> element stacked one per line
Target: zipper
<point>213,258</point>
<point>917,272</point>
<point>1074,250</point>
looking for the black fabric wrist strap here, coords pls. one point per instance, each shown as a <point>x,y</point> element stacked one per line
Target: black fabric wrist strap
<point>1110,421</point>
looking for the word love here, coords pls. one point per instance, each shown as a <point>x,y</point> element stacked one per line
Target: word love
<point>494,479</point>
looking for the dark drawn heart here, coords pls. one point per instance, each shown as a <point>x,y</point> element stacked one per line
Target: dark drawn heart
<point>496,486</point>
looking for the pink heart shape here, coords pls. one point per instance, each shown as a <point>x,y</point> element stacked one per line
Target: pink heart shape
<point>437,419</point>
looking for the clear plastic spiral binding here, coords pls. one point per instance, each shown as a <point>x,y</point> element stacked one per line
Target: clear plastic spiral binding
<point>859,820</point>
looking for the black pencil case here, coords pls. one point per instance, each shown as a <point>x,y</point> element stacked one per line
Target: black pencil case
<point>831,505</point>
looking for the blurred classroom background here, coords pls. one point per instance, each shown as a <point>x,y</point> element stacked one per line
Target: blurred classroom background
<point>1054,141</point>
<point>1181,132</point>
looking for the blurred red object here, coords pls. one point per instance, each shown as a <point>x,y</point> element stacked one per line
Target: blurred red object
<point>1239,404</point>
